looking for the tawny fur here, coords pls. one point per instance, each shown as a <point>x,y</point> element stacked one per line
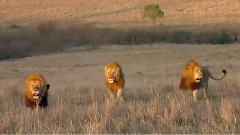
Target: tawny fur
<point>114,71</point>
<point>187,79</point>
<point>42,101</point>
<point>188,82</point>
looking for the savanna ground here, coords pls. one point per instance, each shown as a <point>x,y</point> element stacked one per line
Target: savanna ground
<point>78,99</point>
<point>71,41</point>
<point>119,12</point>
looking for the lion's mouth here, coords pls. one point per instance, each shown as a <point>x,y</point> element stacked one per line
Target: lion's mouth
<point>110,80</point>
<point>198,79</point>
<point>36,95</point>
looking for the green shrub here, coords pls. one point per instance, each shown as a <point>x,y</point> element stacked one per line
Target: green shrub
<point>152,11</point>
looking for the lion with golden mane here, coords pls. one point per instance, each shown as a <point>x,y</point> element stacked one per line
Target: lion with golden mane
<point>114,80</point>
<point>36,91</point>
<point>195,77</point>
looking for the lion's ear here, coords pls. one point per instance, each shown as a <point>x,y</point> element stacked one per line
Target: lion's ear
<point>189,66</point>
<point>48,86</point>
<point>118,68</point>
<point>105,68</point>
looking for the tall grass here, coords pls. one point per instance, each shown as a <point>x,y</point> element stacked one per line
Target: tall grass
<point>87,110</point>
<point>78,99</point>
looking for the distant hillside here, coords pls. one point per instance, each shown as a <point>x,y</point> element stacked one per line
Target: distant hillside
<point>119,12</point>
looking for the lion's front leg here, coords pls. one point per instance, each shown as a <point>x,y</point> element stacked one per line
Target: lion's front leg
<point>36,109</point>
<point>205,93</point>
<point>111,95</point>
<point>195,94</point>
<point>119,95</point>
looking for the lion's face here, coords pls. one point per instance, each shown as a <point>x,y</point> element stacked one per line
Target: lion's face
<point>192,72</point>
<point>197,74</point>
<point>36,88</point>
<point>112,73</point>
<point>191,76</point>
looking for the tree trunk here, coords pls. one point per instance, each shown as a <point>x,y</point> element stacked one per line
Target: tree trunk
<point>154,26</point>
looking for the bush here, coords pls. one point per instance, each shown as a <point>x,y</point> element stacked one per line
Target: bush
<point>47,27</point>
<point>180,37</point>
<point>213,38</point>
<point>47,37</point>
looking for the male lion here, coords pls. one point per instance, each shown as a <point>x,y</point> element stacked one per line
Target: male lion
<point>196,77</point>
<point>114,80</point>
<point>36,91</point>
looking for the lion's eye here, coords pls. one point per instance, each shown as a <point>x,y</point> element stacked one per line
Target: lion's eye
<point>38,86</point>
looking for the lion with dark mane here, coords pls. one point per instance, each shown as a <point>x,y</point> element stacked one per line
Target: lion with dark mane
<point>36,91</point>
<point>114,80</point>
<point>195,77</point>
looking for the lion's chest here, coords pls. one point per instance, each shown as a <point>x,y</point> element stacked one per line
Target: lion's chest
<point>115,86</point>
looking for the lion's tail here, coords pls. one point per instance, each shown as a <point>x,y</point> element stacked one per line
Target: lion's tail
<point>224,74</point>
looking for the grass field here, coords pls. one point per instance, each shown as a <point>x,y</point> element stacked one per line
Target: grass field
<point>70,42</point>
<point>119,12</point>
<point>78,99</point>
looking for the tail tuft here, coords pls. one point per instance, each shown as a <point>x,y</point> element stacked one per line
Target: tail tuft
<point>48,86</point>
<point>224,71</point>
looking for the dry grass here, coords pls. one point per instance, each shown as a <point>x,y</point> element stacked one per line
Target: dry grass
<point>79,100</point>
<point>120,12</point>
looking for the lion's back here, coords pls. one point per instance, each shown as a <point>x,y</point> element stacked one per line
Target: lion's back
<point>205,78</point>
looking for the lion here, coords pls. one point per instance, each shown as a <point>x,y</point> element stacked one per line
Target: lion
<point>36,91</point>
<point>195,77</point>
<point>114,81</point>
